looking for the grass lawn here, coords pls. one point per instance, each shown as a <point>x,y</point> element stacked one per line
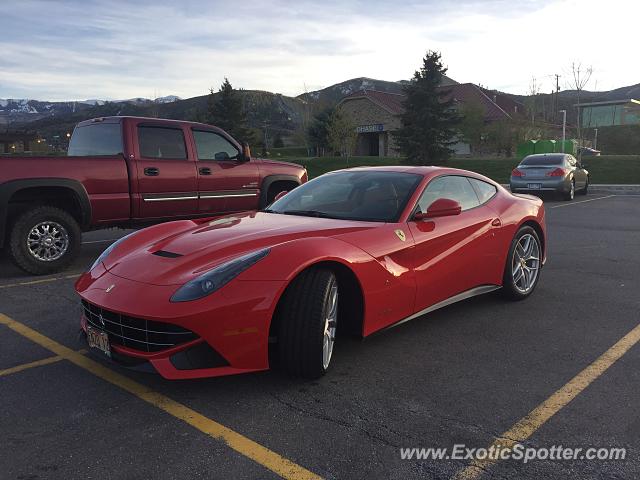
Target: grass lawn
<point>624,169</point>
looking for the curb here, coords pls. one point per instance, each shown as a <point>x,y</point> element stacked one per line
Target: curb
<point>612,189</point>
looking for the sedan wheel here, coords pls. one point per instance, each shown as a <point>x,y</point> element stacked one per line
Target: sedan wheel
<point>307,317</point>
<point>570,195</point>
<point>522,271</point>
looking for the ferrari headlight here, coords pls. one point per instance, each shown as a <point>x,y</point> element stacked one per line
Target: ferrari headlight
<point>103,256</point>
<point>217,278</point>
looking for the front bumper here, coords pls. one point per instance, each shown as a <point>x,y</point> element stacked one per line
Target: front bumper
<point>223,334</point>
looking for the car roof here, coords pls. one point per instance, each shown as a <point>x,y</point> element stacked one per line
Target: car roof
<point>425,171</point>
<point>119,118</point>
<point>548,155</point>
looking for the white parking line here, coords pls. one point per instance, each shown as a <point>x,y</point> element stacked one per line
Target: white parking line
<point>581,201</point>
<point>100,241</point>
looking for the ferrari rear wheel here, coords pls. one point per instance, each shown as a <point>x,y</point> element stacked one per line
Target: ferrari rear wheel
<point>308,316</point>
<point>522,271</point>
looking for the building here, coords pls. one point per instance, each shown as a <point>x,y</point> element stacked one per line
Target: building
<point>609,114</point>
<point>376,115</point>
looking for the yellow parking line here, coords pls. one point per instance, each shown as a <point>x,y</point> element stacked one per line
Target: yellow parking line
<point>37,363</point>
<point>42,280</point>
<point>528,425</point>
<point>267,458</point>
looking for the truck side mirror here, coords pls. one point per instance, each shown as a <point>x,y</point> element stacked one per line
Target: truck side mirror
<point>246,152</point>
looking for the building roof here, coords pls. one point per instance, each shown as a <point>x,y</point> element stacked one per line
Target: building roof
<point>461,92</point>
<point>608,102</point>
<point>391,102</point>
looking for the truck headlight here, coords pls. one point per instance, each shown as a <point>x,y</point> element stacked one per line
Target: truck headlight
<point>217,277</point>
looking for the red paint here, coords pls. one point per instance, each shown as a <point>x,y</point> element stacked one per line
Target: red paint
<point>439,257</point>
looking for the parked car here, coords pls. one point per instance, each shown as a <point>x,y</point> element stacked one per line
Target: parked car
<point>123,171</point>
<point>550,172</point>
<point>588,152</point>
<point>353,251</point>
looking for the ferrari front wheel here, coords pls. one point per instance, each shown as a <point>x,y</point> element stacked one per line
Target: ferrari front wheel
<point>308,316</point>
<point>522,271</point>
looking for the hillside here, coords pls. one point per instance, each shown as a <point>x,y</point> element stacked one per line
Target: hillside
<point>332,95</point>
<point>281,113</point>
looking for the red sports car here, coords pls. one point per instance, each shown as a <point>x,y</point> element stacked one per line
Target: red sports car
<point>353,251</point>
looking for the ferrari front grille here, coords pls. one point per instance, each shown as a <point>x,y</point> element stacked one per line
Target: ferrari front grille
<point>136,333</point>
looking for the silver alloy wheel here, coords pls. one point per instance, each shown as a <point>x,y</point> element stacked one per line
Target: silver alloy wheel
<point>525,264</point>
<point>572,192</point>
<point>48,241</point>
<point>330,322</point>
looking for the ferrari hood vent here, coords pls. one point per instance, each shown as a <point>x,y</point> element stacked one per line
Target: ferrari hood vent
<point>165,254</point>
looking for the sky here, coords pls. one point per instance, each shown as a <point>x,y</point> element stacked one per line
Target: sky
<point>77,50</point>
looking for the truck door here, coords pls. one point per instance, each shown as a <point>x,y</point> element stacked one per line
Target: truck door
<point>167,176</point>
<point>226,183</point>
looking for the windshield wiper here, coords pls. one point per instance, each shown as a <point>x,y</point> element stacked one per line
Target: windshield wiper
<point>308,213</point>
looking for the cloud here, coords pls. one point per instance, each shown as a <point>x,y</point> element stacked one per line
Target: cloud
<point>116,49</point>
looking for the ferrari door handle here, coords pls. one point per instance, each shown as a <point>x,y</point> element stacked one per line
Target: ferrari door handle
<point>152,171</point>
<point>496,223</point>
<point>205,171</point>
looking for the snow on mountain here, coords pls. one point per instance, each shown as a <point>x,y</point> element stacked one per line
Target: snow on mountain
<point>167,99</point>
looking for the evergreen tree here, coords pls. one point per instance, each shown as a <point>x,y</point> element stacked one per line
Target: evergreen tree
<point>225,110</point>
<point>429,121</point>
<point>317,132</point>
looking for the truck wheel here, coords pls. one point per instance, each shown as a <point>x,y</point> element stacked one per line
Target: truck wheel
<point>307,323</point>
<point>44,240</point>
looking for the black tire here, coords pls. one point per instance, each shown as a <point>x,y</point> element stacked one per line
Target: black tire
<point>570,195</point>
<point>509,287</point>
<point>274,190</point>
<point>21,229</point>
<point>585,190</point>
<point>301,323</point>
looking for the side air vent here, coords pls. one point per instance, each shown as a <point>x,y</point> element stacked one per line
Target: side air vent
<point>162,253</point>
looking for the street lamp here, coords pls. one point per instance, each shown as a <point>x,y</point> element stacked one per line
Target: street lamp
<point>564,127</point>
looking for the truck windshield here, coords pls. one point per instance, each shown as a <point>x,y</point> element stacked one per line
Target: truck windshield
<point>96,139</point>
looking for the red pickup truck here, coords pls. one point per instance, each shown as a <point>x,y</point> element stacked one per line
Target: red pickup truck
<point>124,171</point>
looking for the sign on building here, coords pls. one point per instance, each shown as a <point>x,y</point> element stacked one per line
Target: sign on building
<point>379,127</point>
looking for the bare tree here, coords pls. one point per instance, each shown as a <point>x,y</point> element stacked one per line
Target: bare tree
<point>580,78</point>
<point>534,90</point>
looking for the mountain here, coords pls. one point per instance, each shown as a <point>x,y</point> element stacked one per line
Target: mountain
<point>281,113</point>
<point>24,110</point>
<point>278,112</point>
<point>332,95</point>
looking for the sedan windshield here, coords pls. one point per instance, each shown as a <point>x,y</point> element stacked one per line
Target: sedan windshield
<point>375,196</point>
<point>543,160</point>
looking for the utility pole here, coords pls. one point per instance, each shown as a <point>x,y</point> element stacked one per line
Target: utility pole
<point>564,127</point>
<point>595,140</point>
<point>555,106</point>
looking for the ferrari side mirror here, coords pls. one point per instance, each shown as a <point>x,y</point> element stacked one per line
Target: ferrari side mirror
<point>443,207</point>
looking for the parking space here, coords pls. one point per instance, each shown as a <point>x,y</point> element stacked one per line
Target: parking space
<point>461,375</point>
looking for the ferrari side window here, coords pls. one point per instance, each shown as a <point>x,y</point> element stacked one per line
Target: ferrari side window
<point>452,187</point>
<point>485,190</point>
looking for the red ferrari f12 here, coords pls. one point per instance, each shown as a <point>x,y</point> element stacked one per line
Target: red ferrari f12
<point>352,251</point>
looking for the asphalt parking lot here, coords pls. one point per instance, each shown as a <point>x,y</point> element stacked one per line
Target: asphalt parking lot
<point>467,374</point>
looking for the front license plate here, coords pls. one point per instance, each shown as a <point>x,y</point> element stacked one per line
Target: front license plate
<point>534,186</point>
<point>98,339</point>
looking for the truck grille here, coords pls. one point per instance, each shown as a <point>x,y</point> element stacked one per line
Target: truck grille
<point>136,333</point>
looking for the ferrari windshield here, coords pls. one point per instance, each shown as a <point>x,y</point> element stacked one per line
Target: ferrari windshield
<point>375,196</point>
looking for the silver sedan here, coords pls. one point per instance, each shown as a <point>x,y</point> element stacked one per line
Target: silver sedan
<point>557,172</point>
